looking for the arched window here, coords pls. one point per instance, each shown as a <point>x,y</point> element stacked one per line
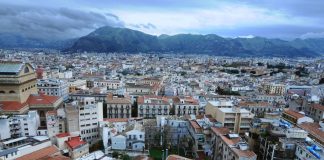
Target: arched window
<point>2,92</point>
<point>12,91</point>
<point>26,70</point>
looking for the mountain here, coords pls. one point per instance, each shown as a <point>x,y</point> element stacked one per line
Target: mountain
<point>109,39</point>
<point>8,40</point>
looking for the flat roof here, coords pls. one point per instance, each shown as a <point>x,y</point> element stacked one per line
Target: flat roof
<point>231,110</point>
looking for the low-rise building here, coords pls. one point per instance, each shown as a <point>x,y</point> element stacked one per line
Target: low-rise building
<point>152,106</point>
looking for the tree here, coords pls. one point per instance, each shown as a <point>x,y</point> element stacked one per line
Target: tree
<point>115,154</point>
<point>321,81</point>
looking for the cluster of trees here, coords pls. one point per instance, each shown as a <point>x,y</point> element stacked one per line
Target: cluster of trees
<point>221,91</point>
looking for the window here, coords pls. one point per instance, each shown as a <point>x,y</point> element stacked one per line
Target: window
<point>26,70</point>
<point>12,91</point>
<point>2,92</point>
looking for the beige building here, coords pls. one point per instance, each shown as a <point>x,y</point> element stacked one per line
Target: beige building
<point>18,91</point>
<point>236,119</point>
<point>77,147</point>
<point>17,81</point>
<point>230,146</point>
<point>272,88</point>
<point>151,106</point>
<point>185,106</point>
<point>118,107</point>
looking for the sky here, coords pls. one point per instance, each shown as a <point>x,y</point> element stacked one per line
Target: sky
<point>61,19</point>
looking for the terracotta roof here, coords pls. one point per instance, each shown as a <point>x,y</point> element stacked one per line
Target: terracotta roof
<point>220,130</point>
<point>254,104</point>
<point>314,129</point>
<point>116,119</point>
<point>75,142</point>
<point>62,135</point>
<point>294,113</point>
<point>318,107</point>
<point>195,125</point>
<point>244,153</point>
<point>55,157</point>
<point>141,99</point>
<point>119,101</point>
<point>229,141</point>
<point>40,154</point>
<point>12,105</point>
<point>39,99</point>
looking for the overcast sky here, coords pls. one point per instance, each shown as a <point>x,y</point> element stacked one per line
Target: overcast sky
<point>286,19</point>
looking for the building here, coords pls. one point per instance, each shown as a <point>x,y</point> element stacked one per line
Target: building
<point>17,81</point>
<point>316,111</point>
<point>309,150</point>
<point>229,146</point>
<point>55,123</point>
<point>54,87</point>
<point>118,107</point>
<point>295,117</point>
<point>90,113</point>
<point>16,126</point>
<point>77,147</point>
<point>277,89</point>
<point>235,118</point>
<point>13,149</point>
<point>152,106</point>
<point>185,106</point>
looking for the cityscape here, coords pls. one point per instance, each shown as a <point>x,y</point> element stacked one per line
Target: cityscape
<point>121,84</point>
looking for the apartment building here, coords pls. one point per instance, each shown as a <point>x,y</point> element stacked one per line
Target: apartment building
<point>151,106</point>
<point>316,111</point>
<point>118,107</point>
<point>54,87</point>
<point>90,113</point>
<point>55,123</point>
<point>230,146</point>
<point>19,125</point>
<point>77,147</point>
<point>186,105</point>
<point>235,118</point>
<point>272,88</point>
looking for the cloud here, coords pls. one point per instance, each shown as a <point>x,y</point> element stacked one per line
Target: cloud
<point>55,23</point>
<point>143,26</point>
<point>312,35</point>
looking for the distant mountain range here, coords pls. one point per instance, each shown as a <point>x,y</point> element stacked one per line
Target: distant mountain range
<point>109,39</point>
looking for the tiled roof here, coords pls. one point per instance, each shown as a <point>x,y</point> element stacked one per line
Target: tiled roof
<point>231,141</point>
<point>318,107</point>
<point>243,153</point>
<point>63,135</point>
<point>314,129</point>
<point>40,154</point>
<point>37,99</point>
<point>220,130</point>
<point>12,105</point>
<point>294,113</point>
<point>75,142</point>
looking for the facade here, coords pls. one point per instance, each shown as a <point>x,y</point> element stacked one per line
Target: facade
<point>118,107</point>
<point>90,113</point>
<point>19,125</point>
<point>185,106</point>
<point>54,87</point>
<point>55,124</point>
<point>230,146</point>
<point>77,147</point>
<point>316,111</point>
<point>277,89</point>
<point>152,106</point>
<point>17,81</point>
<point>236,119</point>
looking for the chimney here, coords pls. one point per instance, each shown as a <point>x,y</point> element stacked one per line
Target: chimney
<point>109,96</point>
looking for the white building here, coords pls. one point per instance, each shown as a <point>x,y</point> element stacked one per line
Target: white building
<point>19,125</point>
<point>54,87</point>
<point>90,113</point>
